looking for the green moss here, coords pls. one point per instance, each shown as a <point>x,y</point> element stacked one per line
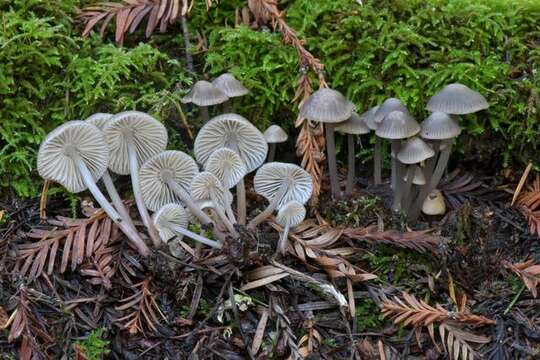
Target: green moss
<point>95,347</point>
<point>368,315</point>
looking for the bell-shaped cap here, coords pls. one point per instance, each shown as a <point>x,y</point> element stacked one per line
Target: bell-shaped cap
<point>457,99</point>
<point>275,134</point>
<point>227,166</point>
<point>355,125</point>
<point>70,141</point>
<point>229,85</point>
<point>434,204</point>
<point>418,176</point>
<point>414,151</point>
<point>234,132</point>
<point>157,171</point>
<point>291,214</point>
<point>146,134</point>
<point>389,105</point>
<point>369,118</point>
<point>206,186</point>
<point>271,177</point>
<point>204,93</point>
<point>167,216</point>
<point>99,120</point>
<point>439,126</point>
<point>327,106</point>
<point>397,125</point>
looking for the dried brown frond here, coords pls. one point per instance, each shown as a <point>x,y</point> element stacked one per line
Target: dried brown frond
<point>287,335</point>
<point>528,272</point>
<point>456,342</point>
<point>529,202</point>
<point>458,188</point>
<point>143,313</point>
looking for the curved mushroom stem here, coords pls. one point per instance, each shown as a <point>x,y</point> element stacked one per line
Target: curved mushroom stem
<point>241,202</point>
<point>230,213</point>
<point>109,209</point>
<point>222,217</point>
<point>269,209</point>
<point>116,199</point>
<point>271,152</point>
<point>405,200</point>
<point>351,167</point>
<point>332,165</point>
<point>377,160</point>
<point>284,241</point>
<point>205,116</point>
<point>432,161</point>
<point>397,180</point>
<point>134,171</point>
<point>196,237</point>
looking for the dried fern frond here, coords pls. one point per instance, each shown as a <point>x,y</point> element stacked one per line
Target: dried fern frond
<point>529,202</point>
<point>528,272</point>
<point>456,342</point>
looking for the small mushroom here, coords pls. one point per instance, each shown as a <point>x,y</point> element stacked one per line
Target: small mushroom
<point>228,84</point>
<point>354,126</point>
<point>234,132</point>
<point>205,94</point>
<point>274,135</point>
<point>457,99</point>
<point>227,166</point>
<point>172,220</point>
<point>133,137</point>
<point>280,183</point>
<point>389,105</point>
<point>330,107</point>
<point>289,216</point>
<point>434,204</point>
<point>369,119</point>
<point>75,154</point>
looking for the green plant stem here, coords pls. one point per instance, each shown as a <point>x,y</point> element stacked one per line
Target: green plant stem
<point>514,300</point>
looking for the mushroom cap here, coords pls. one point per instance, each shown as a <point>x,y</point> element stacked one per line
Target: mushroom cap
<point>457,99</point>
<point>227,166</point>
<point>72,139</point>
<point>167,215</point>
<point>99,120</point>
<point>204,93</point>
<point>155,173</point>
<point>204,185</point>
<point>271,176</point>
<point>439,126</point>
<point>234,132</point>
<point>327,106</point>
<point>355,126</point>
<point>229,85</point>
<point>389,105</point>
<point>397,125</point>
<point>275,134</point>
<point>369,118</point>
<point>414,151</point>
<point>434,204</point>
<point>291,214</point>
<point>148,135</point>
<point>418,178</point>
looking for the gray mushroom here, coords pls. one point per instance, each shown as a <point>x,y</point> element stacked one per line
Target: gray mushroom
<point>227,166</point>
<point>75,154</point>
<point>274,135</point>
<point>289,216</point>
<point>330,107</point>
<point>369,119</point>
<point>457,99</point>
<point>205,94</point>
<point>231,87</point>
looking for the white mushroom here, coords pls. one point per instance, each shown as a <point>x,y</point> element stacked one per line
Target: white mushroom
<point>289,216</point>
<point>204,94</point>
<point>227,166</point>
<point>229,85</point>
<point>274,135</point>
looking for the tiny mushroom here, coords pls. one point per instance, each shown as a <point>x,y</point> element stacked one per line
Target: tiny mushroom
<point>227,166</point>
<point>229,85</point>
<point>74,155</point>
<point>369,119</point>
<point>434,204</point>
<point>290,215</point>
<point>330,107</point>
<point>274,135</point>
<point>204,94</point>
<point>354,126</point>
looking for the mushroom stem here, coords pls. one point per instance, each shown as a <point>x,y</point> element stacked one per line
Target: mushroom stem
<point>134,170</point>
<point>269,209</point>
<point>332,165</point>
<point>205,116</point>
<point>109,209</point>
<point>203,240</point>
<point>351,167</point>
<point>271,152</point>
<point>241,201</point>
<point>116,199</point>
<point>407,189</point>
<point>377,160</point>
<point>222,216</point>
<point>432,161</point>
<point>397,181</point>
<point>284,241</point>
<point>230,213</point>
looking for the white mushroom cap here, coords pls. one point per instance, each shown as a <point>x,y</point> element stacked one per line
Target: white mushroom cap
<point>167,215</point>
<point>397,125</point>
<point>414,151</point>
<point>457,99</point>
<point>66,142</point>
<point>99,120</point>
<point>227,166</point>
<point>272,176</point>
<point>355,125</point>
<point>228,84</point>
<point>204,93</point>
<point>157,170</point>
<point>291,214</point>
<point>149,137</point>
<point>369,117</point>
<point>206,185</point>
<point>419,177</point>
<point>234,132</point>
<point>439,126</point>
<point>275,134</point>
<point>327,106</point>
<point>389,105</point>
<point>434,204</point>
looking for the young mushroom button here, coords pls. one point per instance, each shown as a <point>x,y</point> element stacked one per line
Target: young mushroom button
<point>274,135</point>
<point>204,94</point>
<point>289,216</point>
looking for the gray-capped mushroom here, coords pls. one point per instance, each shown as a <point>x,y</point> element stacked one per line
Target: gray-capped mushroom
<point>205,94</point>
<point>330,107</point>
<point>75,154</point>
<point>457,99</point>
<point>369,119</point>
<point>389,105</point>
<point>274,135</point>
<point>290,215</point>
<point>227,166</point>
<point>231,87</point>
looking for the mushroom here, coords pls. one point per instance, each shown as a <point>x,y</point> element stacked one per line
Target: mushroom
<point>172,220</point>
<point>434,204</point>
<point>457,99</point>
<point>280,183</point>
<point>274,135</point>
<point>75,154</point>
<point>369,119</point>
<point>328,106</point>
<point>414,151</point>
<point>133,137</point>
<point>204,94</point>
<point>229,85</point>
<point>227,166</point>
<point>418,180</point>
<point>234,132</point>
<point>354,126</point>
<point>289,216</point>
